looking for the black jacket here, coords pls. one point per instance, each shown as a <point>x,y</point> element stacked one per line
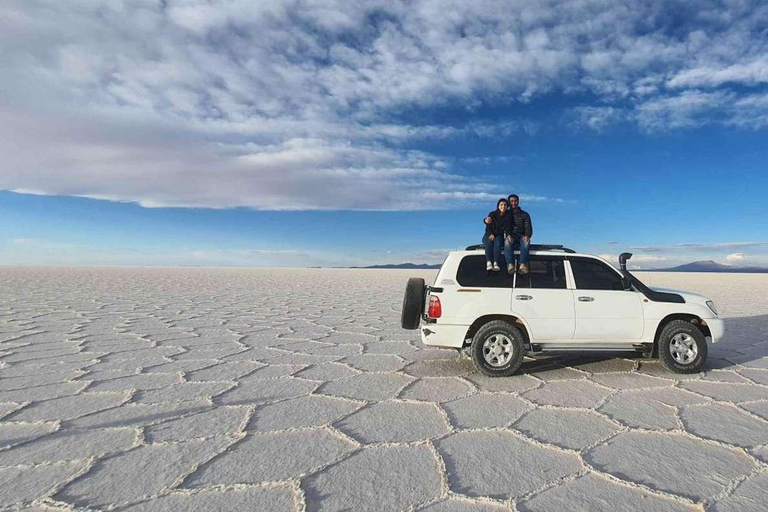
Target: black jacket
<point>521,223</point>
<point>500,225</point>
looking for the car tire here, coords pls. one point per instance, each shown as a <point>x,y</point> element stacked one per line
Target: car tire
<point>413,304</point>
<point>500,341</point>
<point>682,347</point>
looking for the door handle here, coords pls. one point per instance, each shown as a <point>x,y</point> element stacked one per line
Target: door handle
<point>523,297</point>
<point>586,299</point>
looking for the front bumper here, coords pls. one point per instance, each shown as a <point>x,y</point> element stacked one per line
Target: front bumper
<point>716,328</point>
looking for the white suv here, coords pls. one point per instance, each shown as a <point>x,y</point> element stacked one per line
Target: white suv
<point>567,301</point>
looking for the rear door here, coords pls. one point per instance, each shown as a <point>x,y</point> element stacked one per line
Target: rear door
<point>478,293</point>
<point>604,310</point>
<point>543,300</point>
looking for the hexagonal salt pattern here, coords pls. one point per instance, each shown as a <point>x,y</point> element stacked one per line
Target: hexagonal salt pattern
<point>576,393</point>
<point>380,478</point>
<point>566,428</point>
<point>274,499</point>
<point>465,505</point>
<point>297,390</point>
<point>749,495</point>
<point>307,411</point>
<point>596,494</point>
<point>485,410</point>
<point>500,464</point>
<point>725,423</point>
<point>672,462</point>
<point>272,456</point>
<point>393,422</point>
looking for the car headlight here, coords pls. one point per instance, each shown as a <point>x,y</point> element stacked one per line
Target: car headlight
<point>712,306</point>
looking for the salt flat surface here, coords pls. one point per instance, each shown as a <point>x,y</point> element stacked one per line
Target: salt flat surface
<point>144,389</point>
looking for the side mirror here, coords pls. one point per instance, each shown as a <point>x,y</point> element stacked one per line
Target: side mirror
<point>626,283</point>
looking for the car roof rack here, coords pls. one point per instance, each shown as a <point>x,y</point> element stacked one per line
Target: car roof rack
<point>532,247</point>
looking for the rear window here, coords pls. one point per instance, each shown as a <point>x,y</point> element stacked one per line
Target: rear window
<point>472,273</point>
<point>543,272</point>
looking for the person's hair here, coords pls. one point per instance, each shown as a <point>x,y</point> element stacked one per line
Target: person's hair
<point>513,195</point>
<point>502,200</point>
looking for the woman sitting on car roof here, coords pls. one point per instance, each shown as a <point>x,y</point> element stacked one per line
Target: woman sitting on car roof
<point>494,235</point>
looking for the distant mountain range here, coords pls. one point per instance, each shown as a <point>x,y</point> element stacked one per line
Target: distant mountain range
<point>696,266</point>
<point>408,266</point>
<point>713,266</point>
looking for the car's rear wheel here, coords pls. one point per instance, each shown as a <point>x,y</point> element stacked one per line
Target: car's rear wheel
<point>497,349</point>
<point>413,303</point>
<point>682,347</point>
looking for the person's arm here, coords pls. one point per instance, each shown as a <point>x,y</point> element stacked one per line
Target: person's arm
<point>488,224</point>
<point>528,225</point>
<point>509,226</point>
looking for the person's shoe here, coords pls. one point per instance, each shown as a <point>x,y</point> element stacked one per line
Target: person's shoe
<point>523,268</point>
<point>496,267</point>
<point>488,265</point>
<point>510,268</point>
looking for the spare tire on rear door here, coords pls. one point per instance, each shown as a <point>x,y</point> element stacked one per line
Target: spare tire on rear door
<point>413,303</point>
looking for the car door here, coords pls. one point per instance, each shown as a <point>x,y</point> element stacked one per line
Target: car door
<point>543,300</point>
<point>604,310</point>
<point>479,293</point>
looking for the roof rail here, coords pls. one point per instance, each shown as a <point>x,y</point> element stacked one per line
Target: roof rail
<point>532,247</point>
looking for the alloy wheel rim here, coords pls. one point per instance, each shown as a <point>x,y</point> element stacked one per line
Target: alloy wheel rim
<point>683,348</point>
<point>498,350</point>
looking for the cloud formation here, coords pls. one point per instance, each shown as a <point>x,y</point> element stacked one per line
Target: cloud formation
<point>702,247</point>
<point>284,104</point>
<point>667,256</point>
<point>737,256</point>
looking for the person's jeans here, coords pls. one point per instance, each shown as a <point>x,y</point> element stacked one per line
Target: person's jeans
<point>517,240</point>
<point>492,248</point>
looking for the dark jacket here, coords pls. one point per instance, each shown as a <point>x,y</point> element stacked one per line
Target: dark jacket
<point>500,225</point>
<point>521,223</point>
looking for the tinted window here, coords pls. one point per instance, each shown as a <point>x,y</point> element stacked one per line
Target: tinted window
<point>594,275</point>
<point>543,273</point>
<point>472,273</point>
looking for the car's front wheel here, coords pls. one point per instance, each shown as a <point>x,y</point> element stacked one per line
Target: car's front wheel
<point>682,347</point>
<point>497,349</point>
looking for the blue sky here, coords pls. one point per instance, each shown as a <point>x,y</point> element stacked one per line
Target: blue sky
<point>291,133</point>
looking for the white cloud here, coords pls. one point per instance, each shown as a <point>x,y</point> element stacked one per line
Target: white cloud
<point>754,72</point>
<point>598,118</point>
<point>28,251</point>
<point>638,261</point>
<point>432,256</point>
<point>688,109</point>
<point>751,111</point>
<point>295,103</point>
<point>701,247</point>
<point>645,258</point>
<point>666,256</point>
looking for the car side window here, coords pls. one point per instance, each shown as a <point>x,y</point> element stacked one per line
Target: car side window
<point>472,273</point>
<point>595,275</point>
<point>543,272</point>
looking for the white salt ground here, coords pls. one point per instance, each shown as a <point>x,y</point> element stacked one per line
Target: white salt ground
<point>296,390</point>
